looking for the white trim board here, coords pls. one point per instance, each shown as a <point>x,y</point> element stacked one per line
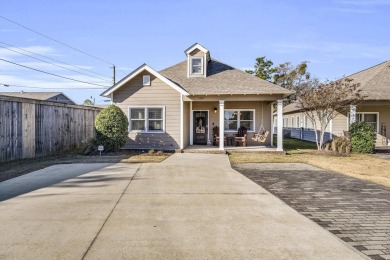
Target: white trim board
<point>196,46</point>
<point>136,72</point>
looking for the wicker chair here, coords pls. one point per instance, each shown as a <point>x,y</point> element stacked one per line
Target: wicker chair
<point>241,138</point>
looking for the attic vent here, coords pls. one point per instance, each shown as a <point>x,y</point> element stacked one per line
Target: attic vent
<point>146,80</point>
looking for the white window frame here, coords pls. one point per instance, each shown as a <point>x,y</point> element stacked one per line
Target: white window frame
<point>238,120</point>
<point>146,80</point>
<point>147,120</point>
<point>306,122</point>
<point>367,113</point>
<point>292,121</point>
<point>201,66</point>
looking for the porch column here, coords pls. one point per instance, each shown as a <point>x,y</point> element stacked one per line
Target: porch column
<point>191,125</point>
<point>352,114</point>
<point>221,124</point>
<point>280,125</point>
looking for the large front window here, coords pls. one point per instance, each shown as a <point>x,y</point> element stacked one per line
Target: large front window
<point>146,119</point>
<point>234,119</point>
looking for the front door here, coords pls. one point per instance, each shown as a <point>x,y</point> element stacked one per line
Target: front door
<point>200,127</point>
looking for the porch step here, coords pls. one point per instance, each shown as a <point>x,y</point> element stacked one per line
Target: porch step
<point>204,151</point>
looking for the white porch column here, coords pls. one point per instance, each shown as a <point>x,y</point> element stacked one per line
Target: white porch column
<point>181,122</point>
<point>352,114</point>
<point>280,125</point>
<point>272,124</point>
<point>221,124</point>
<point>191,125</point>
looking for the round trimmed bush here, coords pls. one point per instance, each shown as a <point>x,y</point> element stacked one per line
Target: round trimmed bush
<point>363,137</point>
<point>111,128</point>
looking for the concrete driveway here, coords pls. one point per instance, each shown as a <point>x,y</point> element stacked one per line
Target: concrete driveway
<point>190,206</point>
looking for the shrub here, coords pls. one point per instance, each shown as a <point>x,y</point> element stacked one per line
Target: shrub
<point>363,137</point>
<point>340,145</point>
<point>111,128</point>
<point>160,153</point>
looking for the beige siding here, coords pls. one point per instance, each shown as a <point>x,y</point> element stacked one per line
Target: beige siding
<point>214,117</point>
<point>339,125</point>
<point>158,94</point>
<point>197,53</point>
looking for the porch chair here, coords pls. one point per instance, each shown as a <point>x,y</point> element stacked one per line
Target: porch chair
<point>216,136</point>
<point>241,138</point>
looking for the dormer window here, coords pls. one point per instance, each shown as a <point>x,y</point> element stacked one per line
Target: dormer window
<point>196,66</point>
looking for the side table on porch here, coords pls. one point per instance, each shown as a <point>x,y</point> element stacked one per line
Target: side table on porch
<point>230,140</point>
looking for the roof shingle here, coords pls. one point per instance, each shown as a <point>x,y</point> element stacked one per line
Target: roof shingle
<point>221,79</point>
<point>374,81</point>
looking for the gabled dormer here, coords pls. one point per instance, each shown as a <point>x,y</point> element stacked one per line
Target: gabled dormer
<point>197,60</point>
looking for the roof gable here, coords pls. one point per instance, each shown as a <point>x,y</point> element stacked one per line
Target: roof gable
<point>39,95</point>
<point>136,72</point>
<point>194,47</point>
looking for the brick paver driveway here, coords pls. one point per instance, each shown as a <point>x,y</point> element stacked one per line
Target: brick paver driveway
<point>356,211</point>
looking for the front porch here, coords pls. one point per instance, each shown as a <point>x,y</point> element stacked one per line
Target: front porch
<point>210,117</point>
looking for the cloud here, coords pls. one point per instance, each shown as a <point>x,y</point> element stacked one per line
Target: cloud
<point>41,50</point>
<point>339,49</point>
<point>365,2</point>
<point>47,82</point>
<point>356,11</point>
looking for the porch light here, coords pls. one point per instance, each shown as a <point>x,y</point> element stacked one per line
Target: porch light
<point>215,109</point>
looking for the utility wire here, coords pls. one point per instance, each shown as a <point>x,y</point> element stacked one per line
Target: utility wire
<point>90,71</point>
<point>50,38</point>
<point>53,74</point>
<point>54,64</point>
<point>18,86</point>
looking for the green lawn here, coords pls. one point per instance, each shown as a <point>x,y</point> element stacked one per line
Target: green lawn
<point>295,144</point>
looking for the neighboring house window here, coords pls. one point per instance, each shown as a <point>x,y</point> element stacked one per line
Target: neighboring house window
<point>146,80</point>
<point>371,118</point>
<point>306,122</point>
<point>196,66</point>
<point>146,119</point>
<point>292,122</point>
<point>298,122</point>
<point>234,119</point>
<point>285,122</point>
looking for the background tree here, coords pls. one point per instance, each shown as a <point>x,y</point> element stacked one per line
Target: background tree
<point>263,69</point>
<point>88,102</point>
<point>291,77</point>
<point>323,102</point>
<point>285,75</point>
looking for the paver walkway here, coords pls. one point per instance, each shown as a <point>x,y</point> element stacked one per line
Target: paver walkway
<point>356,211</point>
<point>191,206</point>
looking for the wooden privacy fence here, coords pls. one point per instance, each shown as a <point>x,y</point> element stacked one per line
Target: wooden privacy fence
<point>33,128</point>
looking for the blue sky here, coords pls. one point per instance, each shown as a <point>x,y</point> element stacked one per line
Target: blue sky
<point>337,37</point>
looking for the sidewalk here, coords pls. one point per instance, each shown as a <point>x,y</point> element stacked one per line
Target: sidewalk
<point>190,206</point>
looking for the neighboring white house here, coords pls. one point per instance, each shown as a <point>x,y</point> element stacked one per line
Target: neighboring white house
<point>375,109</point>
